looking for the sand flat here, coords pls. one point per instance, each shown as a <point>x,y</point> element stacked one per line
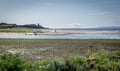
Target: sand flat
<point>47,31</point>
<point>62,32</point>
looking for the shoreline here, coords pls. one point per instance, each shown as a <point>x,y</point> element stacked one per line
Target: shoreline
<point>80,32</point>
<point>66,32</point>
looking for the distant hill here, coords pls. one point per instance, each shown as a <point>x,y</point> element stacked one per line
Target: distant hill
<point>34,26</point>
<point>109,28</point>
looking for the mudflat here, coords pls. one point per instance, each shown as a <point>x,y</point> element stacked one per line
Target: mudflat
<point>36,49</point>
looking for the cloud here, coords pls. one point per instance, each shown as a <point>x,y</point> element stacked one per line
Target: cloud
<point>75,25</point>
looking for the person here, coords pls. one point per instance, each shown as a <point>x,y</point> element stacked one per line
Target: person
<point>55,31</point>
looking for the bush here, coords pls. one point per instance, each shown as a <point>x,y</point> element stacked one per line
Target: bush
<point>58,66</point>
<point>10,62</point>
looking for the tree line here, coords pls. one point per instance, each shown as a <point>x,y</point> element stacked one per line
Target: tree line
<point>34,26</point>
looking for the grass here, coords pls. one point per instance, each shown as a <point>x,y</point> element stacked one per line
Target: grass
<point>37,49</point>
<point>18,30</point>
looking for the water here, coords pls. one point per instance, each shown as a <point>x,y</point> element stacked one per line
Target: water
<point>68,36</point>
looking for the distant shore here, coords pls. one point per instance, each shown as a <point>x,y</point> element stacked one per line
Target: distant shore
<point>65,32</point>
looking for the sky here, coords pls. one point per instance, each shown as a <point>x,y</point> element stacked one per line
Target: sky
<point>61,13</point>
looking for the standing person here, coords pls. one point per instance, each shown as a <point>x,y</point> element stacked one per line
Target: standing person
<point>55,31</point>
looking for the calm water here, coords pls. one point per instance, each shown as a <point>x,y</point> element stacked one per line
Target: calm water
<point>69,36</point>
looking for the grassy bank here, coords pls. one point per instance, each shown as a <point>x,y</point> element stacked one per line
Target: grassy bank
<point>36,49</point>
<point>17,30</point>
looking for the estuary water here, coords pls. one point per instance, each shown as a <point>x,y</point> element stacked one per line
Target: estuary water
<point>64,36</point>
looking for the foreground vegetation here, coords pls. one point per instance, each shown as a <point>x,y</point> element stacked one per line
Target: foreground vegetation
<point>99,61</point>
<point>59,55</point>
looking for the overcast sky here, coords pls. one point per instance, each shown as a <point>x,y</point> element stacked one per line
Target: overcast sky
<point>61,13</point>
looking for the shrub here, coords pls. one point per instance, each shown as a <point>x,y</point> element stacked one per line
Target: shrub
<point>10,62</point>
